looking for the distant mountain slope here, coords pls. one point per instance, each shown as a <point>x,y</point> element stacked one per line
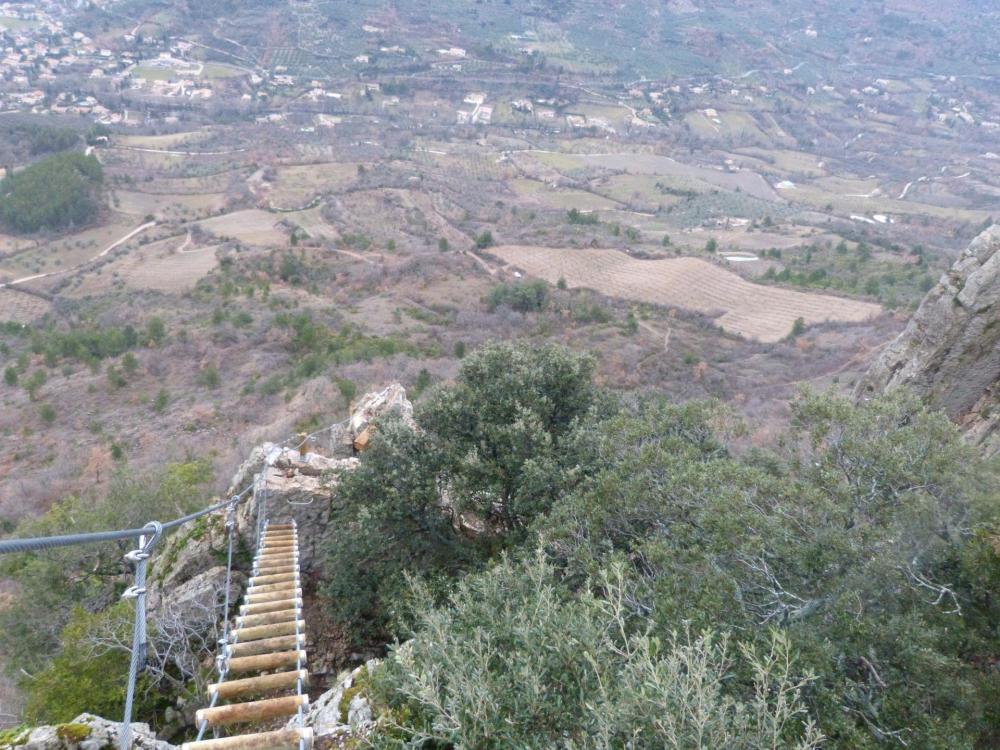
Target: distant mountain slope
<point>950,351</point>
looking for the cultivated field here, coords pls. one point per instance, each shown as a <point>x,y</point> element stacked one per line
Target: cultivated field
<point>757,312</point>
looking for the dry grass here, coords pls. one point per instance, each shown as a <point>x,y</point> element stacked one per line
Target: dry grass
<point>167,141</point>
<point>169,205</point>
<point>757,312</point>
<point>297,185</point>
<point>253,226</point>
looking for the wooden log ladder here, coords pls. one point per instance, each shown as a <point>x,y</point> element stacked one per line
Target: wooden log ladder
<point>267,645</point>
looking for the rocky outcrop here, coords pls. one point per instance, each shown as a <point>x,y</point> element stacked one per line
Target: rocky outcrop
<point>950,351</point>
<point>289,483</point>
<point>361,426</point>
<point>344,710</point>
<point>86,732</point>
<point>294,486</point>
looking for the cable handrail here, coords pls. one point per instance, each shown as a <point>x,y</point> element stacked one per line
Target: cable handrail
<point>33,544</point>
<point>147,537</point>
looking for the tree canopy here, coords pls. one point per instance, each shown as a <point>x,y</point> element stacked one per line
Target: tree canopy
<point>55,193</point>
<point>863,540</point>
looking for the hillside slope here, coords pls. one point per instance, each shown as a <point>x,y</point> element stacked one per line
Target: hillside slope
<point>949,352</point>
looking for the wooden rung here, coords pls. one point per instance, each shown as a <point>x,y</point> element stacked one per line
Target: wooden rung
<point>289,551</point>
<point>267,662</point>
<point>271,570</point>
<point>276,559</point>
<point>258,597</point>
<point>277,533</point>
<point>256,685</point>
<point>240,713</point>
<point>267,645</point>
<point>285,541</point>
<point>275,606</point>
<point>271,550</point>
<point>268,618</point>
<point>275,578</point>
<point>267,631</point>
<point>282,739</point>
<point>280,526</point>
<point>292,588</point>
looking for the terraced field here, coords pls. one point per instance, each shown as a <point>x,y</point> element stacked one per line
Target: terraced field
<point>764,313</point>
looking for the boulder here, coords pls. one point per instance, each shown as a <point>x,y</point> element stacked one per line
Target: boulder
<point>949,353</point>
<point>88,732</point>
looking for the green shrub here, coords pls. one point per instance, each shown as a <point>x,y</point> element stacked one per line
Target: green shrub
<point>576,216</point>
<point>348,390</point>
<point>484,240</point>
<point>514,660</point>
<point>115,379</point>
<point>130,364</point>
<point>209,377</point>
<point>85,676</point>
<point>493,438</point>
<point>161,401</point>
<point>156,329</point>
<point>50,584</point>
<point>523,296</point>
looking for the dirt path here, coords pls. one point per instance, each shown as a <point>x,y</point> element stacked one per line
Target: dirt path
<point>179,153</point>
<point>489,269</point>
<point>123,240</point>
<point>352,254</point>
<point>666,336</point>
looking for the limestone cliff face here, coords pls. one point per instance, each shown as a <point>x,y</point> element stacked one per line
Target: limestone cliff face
<point>950,351</point>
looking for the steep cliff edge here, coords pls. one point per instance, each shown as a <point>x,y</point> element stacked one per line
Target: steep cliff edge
<point>950,352</point>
